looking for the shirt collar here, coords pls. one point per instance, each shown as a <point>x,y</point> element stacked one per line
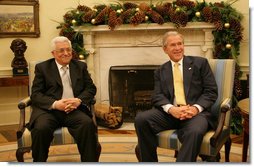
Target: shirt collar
<point>180,62</point>
<point>59,66</point>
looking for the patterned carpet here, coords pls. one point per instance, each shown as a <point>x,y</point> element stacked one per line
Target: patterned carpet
<point>117,146</point>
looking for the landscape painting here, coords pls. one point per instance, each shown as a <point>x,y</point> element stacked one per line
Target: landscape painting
<point>19,19</point>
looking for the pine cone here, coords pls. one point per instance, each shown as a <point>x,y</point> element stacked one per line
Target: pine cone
<point>138,18</point>
<point>186,3</point>
<point>237,84</point>
<point>156,17</point>
<point>162,10</point>
<point>102,16</point>
<point>207,13</point>
<point>218,25</point>
<point>237,27</point>
<point>179,18</point>
<point>68,34</point>
<point>68,17</point>
<point>216,15</point>
<point>88,16</point>
<point>129,5</point>
<point>112,20</point>
<point>83,8</point>
<point>183,18</point>
<point>126,15</point>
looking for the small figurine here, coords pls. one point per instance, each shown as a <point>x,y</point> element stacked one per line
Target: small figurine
<point>19,63</point>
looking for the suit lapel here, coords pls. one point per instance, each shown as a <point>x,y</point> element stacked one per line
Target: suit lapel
<point>169,78</point>
<point>73,74</point>
<point>187,74</point>
<point>55,73</point>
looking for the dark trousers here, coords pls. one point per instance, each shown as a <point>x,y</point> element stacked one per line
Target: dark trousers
<point>190,133</point>
<point>80,126</point>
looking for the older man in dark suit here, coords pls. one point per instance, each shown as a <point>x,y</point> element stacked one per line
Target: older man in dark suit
<point>184,91</point>
<point>61,93</point>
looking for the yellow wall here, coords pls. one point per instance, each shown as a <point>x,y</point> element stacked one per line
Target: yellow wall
<point>50,12</point>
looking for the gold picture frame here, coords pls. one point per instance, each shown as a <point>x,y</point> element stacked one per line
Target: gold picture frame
<point>19,18</point>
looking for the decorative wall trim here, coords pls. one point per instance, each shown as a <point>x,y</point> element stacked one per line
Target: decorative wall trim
<point>5,71</point>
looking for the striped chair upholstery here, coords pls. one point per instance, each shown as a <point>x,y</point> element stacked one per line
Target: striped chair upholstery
<point>61,136</point>
<point>223,70</point>
<point>24,140</point>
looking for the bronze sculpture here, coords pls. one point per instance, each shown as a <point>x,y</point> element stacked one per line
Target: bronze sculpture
<point>19,63</point>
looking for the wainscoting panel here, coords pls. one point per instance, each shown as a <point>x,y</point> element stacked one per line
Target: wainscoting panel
<point>9,98</point>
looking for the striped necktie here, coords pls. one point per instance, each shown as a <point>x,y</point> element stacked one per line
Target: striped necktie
<point>66,81</point>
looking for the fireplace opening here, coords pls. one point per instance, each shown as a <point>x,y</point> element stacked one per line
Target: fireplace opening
<point>131,87</point>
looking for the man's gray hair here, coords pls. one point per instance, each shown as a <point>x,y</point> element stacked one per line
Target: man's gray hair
<point>59,39</point>
<point>170,33</point>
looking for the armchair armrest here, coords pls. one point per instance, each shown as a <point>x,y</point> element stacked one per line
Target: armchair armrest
<point>224,108</point>
<point>26,102</point>
<point>22,107</point>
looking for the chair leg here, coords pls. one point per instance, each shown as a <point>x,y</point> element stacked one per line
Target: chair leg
<point>210,158</point>
<point>227,149</point>
<point>137,152</point>
<point>98,151</point>
<point>176,153</point>
<point>20,153</point>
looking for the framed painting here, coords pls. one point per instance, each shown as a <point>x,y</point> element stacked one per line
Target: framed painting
<point>19,18</point>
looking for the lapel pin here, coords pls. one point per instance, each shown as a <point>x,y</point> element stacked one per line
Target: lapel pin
<point>189,68</point>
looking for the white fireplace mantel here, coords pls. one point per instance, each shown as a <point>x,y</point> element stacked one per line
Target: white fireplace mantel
<point>137,45</point>
<point>148,26</point>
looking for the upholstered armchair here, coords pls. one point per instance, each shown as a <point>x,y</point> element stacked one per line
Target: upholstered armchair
<point>61,135</point>
<point>224,70</point>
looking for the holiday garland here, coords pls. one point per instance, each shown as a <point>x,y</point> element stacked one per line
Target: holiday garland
<point>228,31</point>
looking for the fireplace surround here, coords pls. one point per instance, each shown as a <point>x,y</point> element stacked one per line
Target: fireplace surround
<point>140,45</point>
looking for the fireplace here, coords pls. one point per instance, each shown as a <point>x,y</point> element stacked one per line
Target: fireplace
<point>131,87</point>
<point>131,46</point>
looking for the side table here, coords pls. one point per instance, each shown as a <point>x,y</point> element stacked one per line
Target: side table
<point>244,110</point>
<point>8,81</point>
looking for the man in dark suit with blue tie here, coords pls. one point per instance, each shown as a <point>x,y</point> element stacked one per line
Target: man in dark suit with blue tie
<point>184,91</point>
<point>56,105</point>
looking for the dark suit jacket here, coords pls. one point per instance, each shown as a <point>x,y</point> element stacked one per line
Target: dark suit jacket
<point>199,85</point>
<point>47,86</point>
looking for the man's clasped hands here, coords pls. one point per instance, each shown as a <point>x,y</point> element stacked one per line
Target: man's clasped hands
<point>183,112</point>
<point>67,105</point>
